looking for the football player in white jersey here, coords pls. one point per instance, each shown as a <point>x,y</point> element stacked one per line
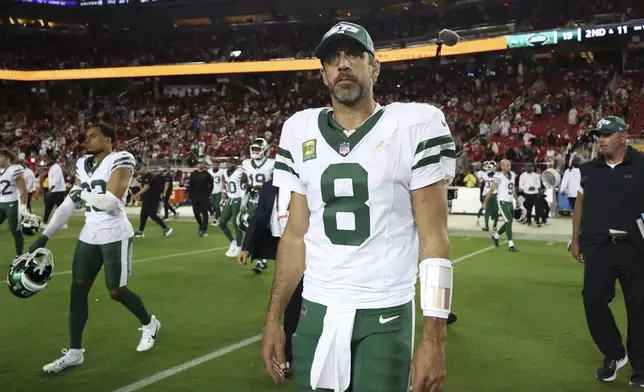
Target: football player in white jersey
<point>493,208</point>
<point>217,189</point>
<point>102,178</point>
<point>13,196</point>
<point>259,169</point>
<point>504,183</point>
<point>234,180</point>
<point>368,199</point>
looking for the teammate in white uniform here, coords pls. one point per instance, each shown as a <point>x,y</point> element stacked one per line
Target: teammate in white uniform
<point>504,181</point>
<point>259,169</point>
<point>368,193</point>
<point>217,174</point>
<point>235,180</point>
<point>106,239</point>
<point>13,196</point>
<point>30,183</point>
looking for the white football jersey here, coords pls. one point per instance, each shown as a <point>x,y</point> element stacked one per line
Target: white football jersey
<point>362,244</point>
<point>234,188</point>
<point>258,174</point>
<point>217,180</point>
<point>102,227</point>
<point>505,187</point>
<point>8,185</point>
<point>487,183</point>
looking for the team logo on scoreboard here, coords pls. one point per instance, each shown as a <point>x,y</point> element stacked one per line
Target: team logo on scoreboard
<point>537,39</point>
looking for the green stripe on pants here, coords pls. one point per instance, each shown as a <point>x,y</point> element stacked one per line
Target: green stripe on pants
<point>381,347</point>
<point>507,210</point>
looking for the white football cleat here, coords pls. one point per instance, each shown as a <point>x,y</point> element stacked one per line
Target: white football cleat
<point>150,333</point>
<point>71,357</point>
<point>231,249</point>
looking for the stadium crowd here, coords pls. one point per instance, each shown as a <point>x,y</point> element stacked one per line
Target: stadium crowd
<point>33,45</point>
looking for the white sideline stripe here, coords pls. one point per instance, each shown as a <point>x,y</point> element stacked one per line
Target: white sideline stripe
<point>190,364</point>
<point>550,243</point>
<point>228,349</point>
<point>196,252</point>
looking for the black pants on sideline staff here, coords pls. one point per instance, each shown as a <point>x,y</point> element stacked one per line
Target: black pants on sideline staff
<point>603,266</point>
<point>572,201</point>
<point>29,196</point>
<point>167,207</point>
<point>52,199</point>
<point>200,209</point>
<point>530,202</point>
<point>149,210</point>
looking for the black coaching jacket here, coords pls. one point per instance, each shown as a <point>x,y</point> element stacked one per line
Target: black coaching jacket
<point>259,240</point>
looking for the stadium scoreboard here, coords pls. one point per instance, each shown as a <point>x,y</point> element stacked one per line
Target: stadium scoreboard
<point>580,34</point>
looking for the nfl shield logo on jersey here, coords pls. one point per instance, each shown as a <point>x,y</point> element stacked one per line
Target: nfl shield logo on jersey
<point>344,149</point>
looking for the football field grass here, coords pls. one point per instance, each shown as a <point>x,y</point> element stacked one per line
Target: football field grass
<point>521,325</point>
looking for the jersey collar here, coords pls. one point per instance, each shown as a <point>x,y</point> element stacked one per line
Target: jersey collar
<point>334,135</point>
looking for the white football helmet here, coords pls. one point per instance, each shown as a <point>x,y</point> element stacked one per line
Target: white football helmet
<point>243,220</point>
<point>259,148</point>
<point>31,223</point>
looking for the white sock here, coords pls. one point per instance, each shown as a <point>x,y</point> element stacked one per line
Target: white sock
<point>510,243</point>
<point>496,236</point>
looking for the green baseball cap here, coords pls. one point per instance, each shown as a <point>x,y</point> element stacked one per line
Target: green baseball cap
<point>609,125</point>
<point>345,30</point>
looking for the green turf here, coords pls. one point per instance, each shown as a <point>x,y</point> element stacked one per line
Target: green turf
<point>521,324</point>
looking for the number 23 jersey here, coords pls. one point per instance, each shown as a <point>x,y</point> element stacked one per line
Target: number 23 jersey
<point>102,227</point>
<point>362,244</point>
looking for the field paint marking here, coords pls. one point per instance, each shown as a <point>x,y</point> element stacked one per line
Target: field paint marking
<point>550,243</point>
<point>228,349</point>
<point>190,364</point>
<point>467,238</point>
<point>195,252</point>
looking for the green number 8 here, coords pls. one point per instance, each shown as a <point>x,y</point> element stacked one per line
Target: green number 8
<point>355,204</point>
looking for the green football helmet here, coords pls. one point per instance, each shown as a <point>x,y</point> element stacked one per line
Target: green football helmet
<point>242,220</point>
<point>31,224</point>
<point>30,272</point>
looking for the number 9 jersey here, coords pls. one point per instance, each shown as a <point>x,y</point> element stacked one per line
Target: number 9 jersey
<point>362,244</point>
<point>103,227</point>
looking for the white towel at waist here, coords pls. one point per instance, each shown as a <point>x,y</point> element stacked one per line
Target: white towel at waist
<point>331,368</point>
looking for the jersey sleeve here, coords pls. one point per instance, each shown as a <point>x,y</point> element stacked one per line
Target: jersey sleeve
<point>123,159</point>
<point>18,171</point>
<point>435,154</point>
<point>287,161</point>
<point>497,178</point>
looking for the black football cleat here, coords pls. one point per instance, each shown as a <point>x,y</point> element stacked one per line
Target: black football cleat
<point>637,379</point>
<point>512,249</point>
<point>496,241</point>
<point>607,372</point>
<point>451,319</point>
<point>288,372</point>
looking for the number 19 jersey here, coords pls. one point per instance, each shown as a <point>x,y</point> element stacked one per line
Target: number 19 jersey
<point>103,227</point>
<point>362,244</point>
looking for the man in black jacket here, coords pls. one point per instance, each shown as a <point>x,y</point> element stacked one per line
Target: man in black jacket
<point>150,195</point>
<point>260,242</point>
<point>606,238</point>
<point>199,190</point>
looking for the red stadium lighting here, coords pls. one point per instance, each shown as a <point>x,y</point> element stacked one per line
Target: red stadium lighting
<point>506,4</point>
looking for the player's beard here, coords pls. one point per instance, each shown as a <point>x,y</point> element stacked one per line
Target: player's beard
<point>348,93</point>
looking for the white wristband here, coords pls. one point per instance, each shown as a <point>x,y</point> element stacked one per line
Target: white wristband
<point>436,278</point>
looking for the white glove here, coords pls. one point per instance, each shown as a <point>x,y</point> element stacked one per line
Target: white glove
<point>22,210</point>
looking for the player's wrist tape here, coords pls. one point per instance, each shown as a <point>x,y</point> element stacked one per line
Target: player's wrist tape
<point>106,201</point>
<point>436,277</point>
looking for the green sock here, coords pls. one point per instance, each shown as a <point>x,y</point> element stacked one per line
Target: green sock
<point>508,230</point>
<point>19,240</point>
<point>133,303</point>
<point>226,230</point>
<point>239,235</point>
<point>78,312</point>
